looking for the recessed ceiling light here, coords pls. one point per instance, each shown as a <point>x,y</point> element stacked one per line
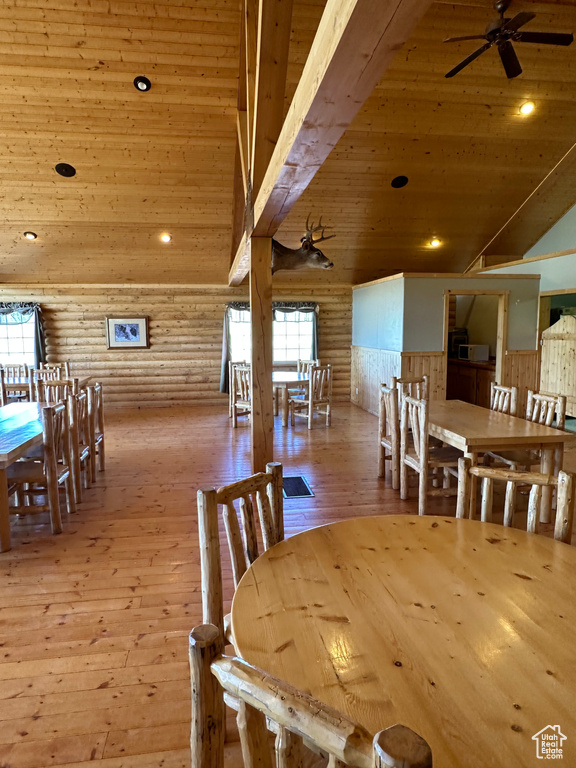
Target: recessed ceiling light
<point>66,170</point>
<point>142,83</point>
<point>166,238</point>
<point>399,181</point>
<point>527,108</point>
<point>30,235</point>
<point>435,242</point>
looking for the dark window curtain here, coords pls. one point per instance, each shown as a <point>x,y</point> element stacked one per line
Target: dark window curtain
<point>16,313</point>
<point>301,306</point>
<point>242,306</point>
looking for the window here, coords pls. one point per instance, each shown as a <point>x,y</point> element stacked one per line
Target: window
<point>292,340</point>
<point>17,334</point>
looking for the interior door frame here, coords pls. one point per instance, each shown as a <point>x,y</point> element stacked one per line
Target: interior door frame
<point>502,326</point>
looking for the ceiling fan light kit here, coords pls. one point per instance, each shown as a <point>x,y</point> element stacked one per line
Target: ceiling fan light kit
<point>502,32</point>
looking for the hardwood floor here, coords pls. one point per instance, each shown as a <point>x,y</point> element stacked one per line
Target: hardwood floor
<point>94,622</point>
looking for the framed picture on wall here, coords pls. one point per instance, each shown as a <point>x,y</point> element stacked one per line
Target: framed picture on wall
<point>127,333</point>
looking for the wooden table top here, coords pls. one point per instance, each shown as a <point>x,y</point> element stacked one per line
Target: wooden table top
<point>461,630</point>
<point>289,377</point>
<point>20,429</point>
<point>473,428</point>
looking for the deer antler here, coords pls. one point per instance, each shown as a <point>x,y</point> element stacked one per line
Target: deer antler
<point>311,229</point>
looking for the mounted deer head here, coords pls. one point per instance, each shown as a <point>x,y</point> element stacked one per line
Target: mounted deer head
<point>305,257</point>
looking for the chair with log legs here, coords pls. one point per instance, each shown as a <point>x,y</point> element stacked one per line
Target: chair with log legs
<point>96,429</point>
<point>417,454</point>
<point>306,730</point>
<point>549,410</point>
<point>302,366</point>
<point>563,483</point>
<point>260,494</point>
<point>52,391</point>
<point>241,391</point>
<point>42,476</point>
<point>14,373</point>
<point>80,444</point>
<point>389,432</point>
<point>59,370</point>
<point>231,365</point>
<point>503,399</point>
<point>317,398</point>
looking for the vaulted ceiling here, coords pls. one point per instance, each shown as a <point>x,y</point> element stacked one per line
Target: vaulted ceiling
<point>163,161</point>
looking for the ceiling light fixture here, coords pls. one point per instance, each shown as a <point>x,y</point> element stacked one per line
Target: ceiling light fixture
<point>30,235</point>
<point>527,108</point>
<point>65,169</point>
<point>166,238</point>
<point>435,242</point>
<point>142,83</point>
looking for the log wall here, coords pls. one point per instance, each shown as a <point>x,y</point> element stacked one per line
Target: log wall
<point>182,365</point>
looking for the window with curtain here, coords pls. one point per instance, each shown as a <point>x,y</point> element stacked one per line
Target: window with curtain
<point>293,335</point>
<point>21,334</point>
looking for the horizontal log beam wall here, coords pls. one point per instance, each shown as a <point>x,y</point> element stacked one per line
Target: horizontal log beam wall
<point>182,365</point>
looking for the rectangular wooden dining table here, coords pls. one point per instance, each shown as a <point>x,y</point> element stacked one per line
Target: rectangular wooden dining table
<point>285,379</point>
<point>20,430</point>
<point>475,430</point>
<point>460,630</point>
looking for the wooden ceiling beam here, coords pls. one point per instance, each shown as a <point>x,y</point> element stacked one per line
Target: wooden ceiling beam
<point>274,25</point>
<point>355,42</point>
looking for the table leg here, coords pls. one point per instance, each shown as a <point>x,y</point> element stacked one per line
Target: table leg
<point>284,406</point>
<point>4,513</point>
<point>547,468</point>
<point>473,486</point>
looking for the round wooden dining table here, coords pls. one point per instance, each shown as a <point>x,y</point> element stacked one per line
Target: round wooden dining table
<point>461,630</point>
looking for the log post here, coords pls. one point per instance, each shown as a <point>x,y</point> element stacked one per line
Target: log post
<point>210,562</point>
<point>262,422</point>
<point>276,499</point>
<point>400,747</point>
<point>208,723</point>
<point>463,498</point>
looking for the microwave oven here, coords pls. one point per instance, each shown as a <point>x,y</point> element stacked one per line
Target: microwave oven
<point>473,352</point>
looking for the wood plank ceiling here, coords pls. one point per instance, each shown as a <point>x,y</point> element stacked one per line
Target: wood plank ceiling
<point>163,161</point>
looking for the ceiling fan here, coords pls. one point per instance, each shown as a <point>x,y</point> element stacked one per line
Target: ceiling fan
<point>502,32</point>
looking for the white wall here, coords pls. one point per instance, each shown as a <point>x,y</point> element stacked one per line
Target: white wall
<point>556,275</point>
<point>479,314</point>
<point>560,237</point>
<point>377,315</point>
<point>424,310</point>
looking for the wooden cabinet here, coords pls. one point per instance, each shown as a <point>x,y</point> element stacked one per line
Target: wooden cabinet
<point>470,382</point>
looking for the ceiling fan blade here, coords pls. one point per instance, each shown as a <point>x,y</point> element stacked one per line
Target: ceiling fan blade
<point>468,60</point>
<point>518,21</point>
<point>468,37</point>
<point>545,38</point>
<point>509,59</point>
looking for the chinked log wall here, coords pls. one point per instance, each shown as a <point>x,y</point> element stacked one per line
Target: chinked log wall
<point>182,365</point>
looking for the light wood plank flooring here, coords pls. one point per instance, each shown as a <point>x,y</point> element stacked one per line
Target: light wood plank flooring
<point>94,622</point>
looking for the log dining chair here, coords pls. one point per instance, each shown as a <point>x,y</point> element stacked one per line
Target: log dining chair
<point>302,366</point>
<point>241,392</point>
<point>60,370</point>
<point>503,399</point>
<point>563,483</point>
<point>317,397</point>
<point>96,429</point>
<point>549,410</point>
<point>52,391</point>
<point>42,476</point>
<point>307,732</point>
<point>80,444</point>
<point>22,372</point>
<point>417,454</point>
<point>389,432</point>
<point>260,494</point>
<point>231,365</point>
